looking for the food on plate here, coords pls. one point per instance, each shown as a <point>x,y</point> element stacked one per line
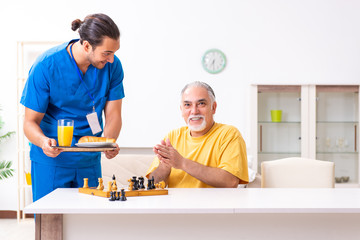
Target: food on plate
<point>86,139</point>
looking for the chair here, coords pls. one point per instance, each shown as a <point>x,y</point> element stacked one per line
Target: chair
<point>297,173</point>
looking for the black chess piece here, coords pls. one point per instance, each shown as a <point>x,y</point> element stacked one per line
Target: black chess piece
<point>153,183</point>
<point>123,197</point>
<point>149,184</point>
<point>112,196</point>
<point>118,196</point>
<point>141,179</point>
<point>137,184</point>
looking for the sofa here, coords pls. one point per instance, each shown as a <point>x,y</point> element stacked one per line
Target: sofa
<point>125,166</point>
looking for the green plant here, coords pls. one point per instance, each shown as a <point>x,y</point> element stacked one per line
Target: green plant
<point>5,169</point>
<point>5,166</point>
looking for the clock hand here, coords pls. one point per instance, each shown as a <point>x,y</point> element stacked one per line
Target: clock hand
<point>213,64</point>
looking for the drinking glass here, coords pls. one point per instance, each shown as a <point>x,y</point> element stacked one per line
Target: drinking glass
<point>65,132</point>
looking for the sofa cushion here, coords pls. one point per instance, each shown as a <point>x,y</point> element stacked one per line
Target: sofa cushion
<point>124,167</point>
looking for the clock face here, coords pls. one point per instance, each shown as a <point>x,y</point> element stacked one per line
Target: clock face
<point>214,61</point>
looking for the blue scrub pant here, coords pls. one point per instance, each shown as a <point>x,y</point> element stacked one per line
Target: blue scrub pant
<point>47,178</point>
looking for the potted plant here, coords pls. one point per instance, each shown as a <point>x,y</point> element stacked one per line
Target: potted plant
<point>5,166</point>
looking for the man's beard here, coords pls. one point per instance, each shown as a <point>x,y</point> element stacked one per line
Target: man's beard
<point>197,128</point>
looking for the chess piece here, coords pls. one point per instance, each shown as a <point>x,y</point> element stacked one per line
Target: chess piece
<point>123,197</point>
<point>112,196</point>
<point>150,184</point>
<point>141,184</point>
<point>162,184</point>
<point>130,188</point>
<point>153,183</point>
<point>86,183</point>
<point>101,185</point>
<point>135,184</point>
<point>109,186</point>
<point>118,196</point>
<point>113,185</point>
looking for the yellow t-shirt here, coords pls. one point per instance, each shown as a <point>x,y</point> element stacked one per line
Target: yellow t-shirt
<point>222,147</point>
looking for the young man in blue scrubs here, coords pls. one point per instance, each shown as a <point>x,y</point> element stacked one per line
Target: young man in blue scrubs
<point>76,79</point>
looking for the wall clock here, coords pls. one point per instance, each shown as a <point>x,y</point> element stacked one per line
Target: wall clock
<point>213,61</point>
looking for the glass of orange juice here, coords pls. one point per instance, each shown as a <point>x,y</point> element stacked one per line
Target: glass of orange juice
<point>65,132</point>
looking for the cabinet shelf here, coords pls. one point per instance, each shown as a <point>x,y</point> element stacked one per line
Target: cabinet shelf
<point>337,153</point>
<point>282,122</point>
<point>24,185</point>
<point>279,153</point>
<point>352,184</point>
<point>339,122</point>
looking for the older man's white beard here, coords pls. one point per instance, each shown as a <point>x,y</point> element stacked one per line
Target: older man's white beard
<point>197,128</point>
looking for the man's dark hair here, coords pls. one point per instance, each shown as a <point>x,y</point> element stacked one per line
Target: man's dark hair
<point>95,27</point>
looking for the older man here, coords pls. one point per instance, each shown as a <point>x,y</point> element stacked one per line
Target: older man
<point>204,153</point>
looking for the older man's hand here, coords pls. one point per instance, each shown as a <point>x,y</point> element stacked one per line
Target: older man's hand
<point>168,155</point>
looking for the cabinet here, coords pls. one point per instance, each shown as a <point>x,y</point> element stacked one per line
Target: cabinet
<point>337,120</point>
<point>318,121</point>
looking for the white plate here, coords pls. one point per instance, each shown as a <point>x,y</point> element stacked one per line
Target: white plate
<point>95,144</point>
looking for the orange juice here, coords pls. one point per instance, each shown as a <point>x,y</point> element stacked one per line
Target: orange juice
<point>65,135</point>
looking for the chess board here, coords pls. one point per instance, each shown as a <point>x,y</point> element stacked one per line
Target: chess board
<point>128,193</point>
<point>136,188</point>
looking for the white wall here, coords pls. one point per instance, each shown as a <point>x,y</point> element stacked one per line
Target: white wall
<point>162,42</point>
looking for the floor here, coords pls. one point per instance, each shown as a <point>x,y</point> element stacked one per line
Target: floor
<point>10,229</point>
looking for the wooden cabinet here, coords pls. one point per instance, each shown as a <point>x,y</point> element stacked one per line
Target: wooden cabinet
<point>318,121</point>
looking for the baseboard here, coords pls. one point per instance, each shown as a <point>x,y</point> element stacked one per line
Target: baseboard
<point>13,214</point>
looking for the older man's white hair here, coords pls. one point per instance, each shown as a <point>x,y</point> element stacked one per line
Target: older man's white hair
<point>203,85</point>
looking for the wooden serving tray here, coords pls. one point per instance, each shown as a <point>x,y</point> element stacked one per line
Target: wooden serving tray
<point>84,149</point>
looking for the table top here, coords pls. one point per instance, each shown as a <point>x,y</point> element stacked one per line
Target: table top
<point>205,200</point>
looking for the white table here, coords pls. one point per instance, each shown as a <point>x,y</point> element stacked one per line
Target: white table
<point>202,214</point>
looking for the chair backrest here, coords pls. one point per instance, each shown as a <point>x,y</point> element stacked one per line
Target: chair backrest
<point>297,173</point>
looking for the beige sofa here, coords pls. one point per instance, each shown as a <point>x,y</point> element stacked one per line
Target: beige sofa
<point>125,166</point>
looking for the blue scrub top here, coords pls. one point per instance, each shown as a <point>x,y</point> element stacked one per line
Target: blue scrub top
<point>55,88</point>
